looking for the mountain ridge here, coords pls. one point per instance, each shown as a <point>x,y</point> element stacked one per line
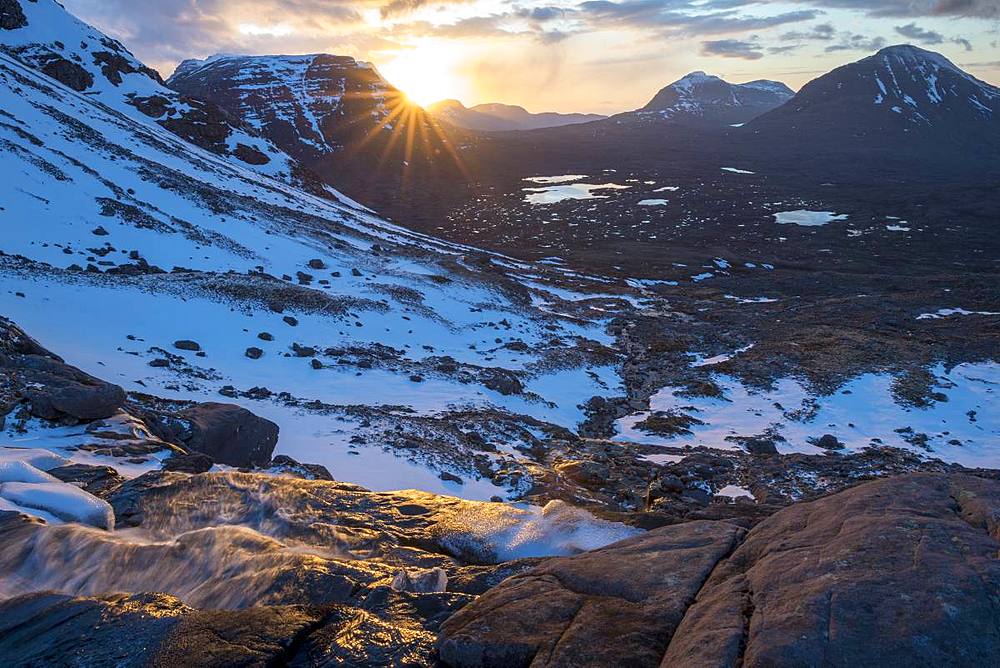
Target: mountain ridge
<point>498,117</point>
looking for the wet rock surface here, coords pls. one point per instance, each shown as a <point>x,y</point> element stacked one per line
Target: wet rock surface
<point>613,606</point>
<point>903,570</point>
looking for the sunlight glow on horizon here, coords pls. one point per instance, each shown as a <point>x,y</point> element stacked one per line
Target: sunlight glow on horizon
<point>425,74</point>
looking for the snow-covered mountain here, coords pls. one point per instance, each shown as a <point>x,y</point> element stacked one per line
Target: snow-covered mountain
<point>42,34</point>
<point>337,116</point>
<point>174,271</point>
<point>301,102</point>
<point>902,99</point>
<point>495,117</point>
<point>703,99</point>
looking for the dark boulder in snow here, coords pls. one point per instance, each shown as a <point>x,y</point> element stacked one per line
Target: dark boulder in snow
<point>185,344</point>
<point>76,397</point>
<point>11,15</point>
<point>68,73</point>
<point>828,442</point>
<point>230,434</point>
<point>53,388</point>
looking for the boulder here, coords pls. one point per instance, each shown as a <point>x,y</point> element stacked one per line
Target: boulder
<point>616,606</point>
<point>11,15</point>
<point>54,388</point>
<point>897,572</point>
<point>230,434</point>
<point>828,442</point>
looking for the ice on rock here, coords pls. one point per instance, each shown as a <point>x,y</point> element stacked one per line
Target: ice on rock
<point>46,460</point>
<point>20,471</point>
<point>67,502</point>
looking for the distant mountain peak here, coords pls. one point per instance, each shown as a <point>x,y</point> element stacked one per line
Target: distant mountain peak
<point>902,83</point>
<point>707,99</point>
<point>499,117</point>
<point>904,100</point>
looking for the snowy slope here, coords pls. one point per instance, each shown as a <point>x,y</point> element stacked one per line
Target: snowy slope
<point>705,99</point>
<point>120,239</point>
<point>44,35</point>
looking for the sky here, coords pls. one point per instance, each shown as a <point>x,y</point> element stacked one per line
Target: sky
<point>600,56</point>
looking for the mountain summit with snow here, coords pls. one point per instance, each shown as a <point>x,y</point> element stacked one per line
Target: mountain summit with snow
<point>302,102</point>
<point>705,99</point>
<point>334,114</point>
<point>44,36</point>
<point>902,101</point>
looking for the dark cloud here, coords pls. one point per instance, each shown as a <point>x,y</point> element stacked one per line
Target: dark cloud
<point>852,42</point>
<point>917,34</point>
<point>732,48</point>
<point>987,9</point>
<point>822,32</point>
<point>912,31</point>
<point>683,17</point>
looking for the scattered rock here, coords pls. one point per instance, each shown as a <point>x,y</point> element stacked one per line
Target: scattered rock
<point>828,442</point>
<point>186,344</point>
<point>450,477</point>
<point>254,353</point>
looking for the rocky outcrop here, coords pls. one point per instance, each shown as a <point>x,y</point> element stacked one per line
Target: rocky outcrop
<point>229,434</point>
<point>614,606</point>
<point>51,388</point>
<point>902,571</point>
<point>142,629</point>
<point>897,572</point>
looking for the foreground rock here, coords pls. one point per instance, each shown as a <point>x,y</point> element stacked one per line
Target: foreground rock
<point>896,572</point>
<point>614,606</point>
<point>901,571</point>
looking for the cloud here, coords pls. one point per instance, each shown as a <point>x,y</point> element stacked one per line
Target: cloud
<point>683,17</point>
<point>854,42</point>
<point>962,42</point>
<point>822,32</point>
<point>732,48</point>
<point>918,34</point>
<point>985,9</point>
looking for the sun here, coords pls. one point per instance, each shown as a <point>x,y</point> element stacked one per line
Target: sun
<point>425,74</point>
